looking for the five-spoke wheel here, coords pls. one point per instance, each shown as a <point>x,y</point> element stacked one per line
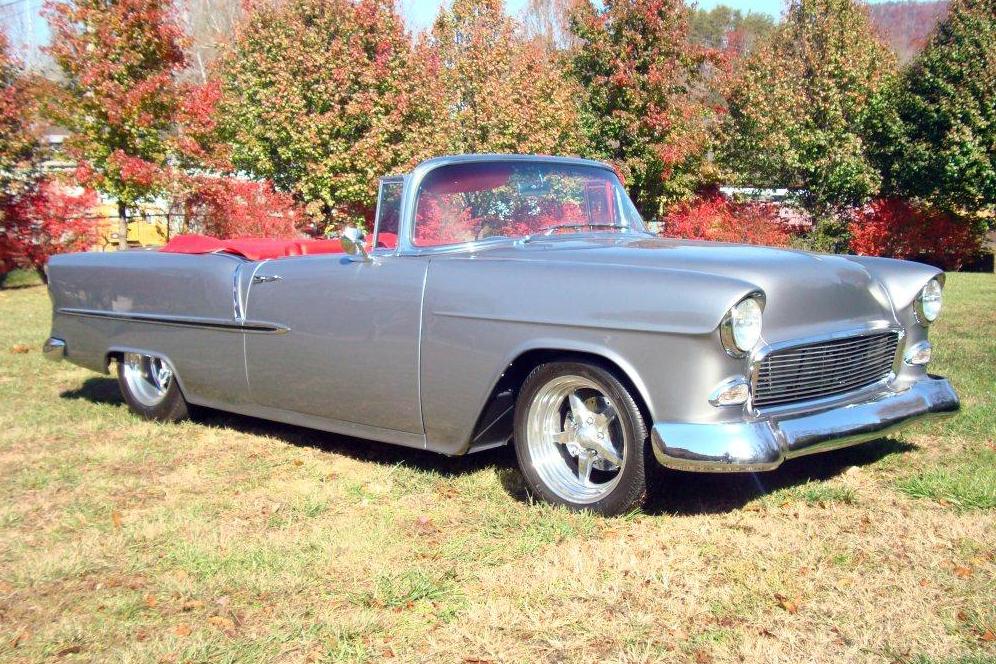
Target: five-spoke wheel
<point>580,438</point>
<point>150,388</point>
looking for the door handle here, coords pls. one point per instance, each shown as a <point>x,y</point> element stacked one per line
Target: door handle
<point>265,278</point>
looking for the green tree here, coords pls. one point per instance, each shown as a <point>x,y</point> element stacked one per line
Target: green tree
<point>120,62</point>
<point>797,110</point>
<point>321,97</point>
<point>497,91</point>
<point>644,106</point>
<point>725,28</point>
<point>935,126</point>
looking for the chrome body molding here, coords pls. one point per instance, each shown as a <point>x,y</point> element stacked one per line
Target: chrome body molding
<point>763,444</point>
<point>180,321</point>
<point>54,349</point>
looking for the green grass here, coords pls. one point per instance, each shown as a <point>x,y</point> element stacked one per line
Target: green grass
<point>227,539</point>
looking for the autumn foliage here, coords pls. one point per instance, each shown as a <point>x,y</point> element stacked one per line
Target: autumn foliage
<point>49,219</point>
<point>714,217</point>
<point>231,208</point>
<point>901,229</point>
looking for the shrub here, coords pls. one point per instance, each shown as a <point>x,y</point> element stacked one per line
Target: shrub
<point>898,228</point>
<point>713,217</point>
<point>226,207</point>
<point>48,219</point>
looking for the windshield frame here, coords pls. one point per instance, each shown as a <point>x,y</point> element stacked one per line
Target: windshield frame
<point>413,183</point>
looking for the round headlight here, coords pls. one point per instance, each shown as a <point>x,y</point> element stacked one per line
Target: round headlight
<point>742,327</point>
<point>928,303</point>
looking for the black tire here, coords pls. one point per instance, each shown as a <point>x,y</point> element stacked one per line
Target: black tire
<point>172,408</point>
<point>630,491</point>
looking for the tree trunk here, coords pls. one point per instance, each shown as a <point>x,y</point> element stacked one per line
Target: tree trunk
<point>122,225</point>
<point>42,274</point>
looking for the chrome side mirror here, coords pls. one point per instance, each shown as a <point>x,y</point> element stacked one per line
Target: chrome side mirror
<point>352,243</point>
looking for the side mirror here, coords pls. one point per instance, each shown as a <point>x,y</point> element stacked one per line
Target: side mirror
<point>352,243</point>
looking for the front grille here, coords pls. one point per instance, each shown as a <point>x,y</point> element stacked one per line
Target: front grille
<point>824,369</point>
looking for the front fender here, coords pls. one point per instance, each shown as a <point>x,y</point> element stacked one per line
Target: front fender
<point>658,325</point>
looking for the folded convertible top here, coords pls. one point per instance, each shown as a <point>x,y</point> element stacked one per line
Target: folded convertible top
<point>257,248</point>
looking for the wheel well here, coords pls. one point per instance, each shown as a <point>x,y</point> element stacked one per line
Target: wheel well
<point>494,425</point>
<point>112,356</point>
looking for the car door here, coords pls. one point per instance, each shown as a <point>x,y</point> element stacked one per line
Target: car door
<point>350,352</point>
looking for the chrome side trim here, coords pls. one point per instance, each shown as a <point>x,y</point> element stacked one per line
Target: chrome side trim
<point>54,349</point>
<point>763,444</point>
<point>180,321</point>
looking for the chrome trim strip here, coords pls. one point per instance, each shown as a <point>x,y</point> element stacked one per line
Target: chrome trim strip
<point>180,321</point>
<point>764,444</point>
<point>54,349</point>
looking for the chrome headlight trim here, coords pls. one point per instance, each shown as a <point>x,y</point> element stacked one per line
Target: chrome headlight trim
<point>726,329</point>
<point>928,302</point>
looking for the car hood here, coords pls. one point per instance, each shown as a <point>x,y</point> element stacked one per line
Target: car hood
<point>805,293</point>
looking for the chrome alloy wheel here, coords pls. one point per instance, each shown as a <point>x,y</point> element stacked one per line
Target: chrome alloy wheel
<point>148,378</point>
<point>576,442</point>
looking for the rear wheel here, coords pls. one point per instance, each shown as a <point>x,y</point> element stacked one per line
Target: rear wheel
<point>150,388</point>
<point>580,438</point>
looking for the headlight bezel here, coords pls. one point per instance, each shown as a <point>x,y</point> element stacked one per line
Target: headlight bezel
<point>727,333</point>
<point>921,311</point>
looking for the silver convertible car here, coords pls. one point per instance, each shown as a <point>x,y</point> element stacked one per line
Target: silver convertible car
<point>518,299</point>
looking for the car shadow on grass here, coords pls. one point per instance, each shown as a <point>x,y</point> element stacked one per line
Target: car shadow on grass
<point>676,493</point>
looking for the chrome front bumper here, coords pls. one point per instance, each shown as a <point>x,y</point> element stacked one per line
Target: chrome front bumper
<point>764,443</point>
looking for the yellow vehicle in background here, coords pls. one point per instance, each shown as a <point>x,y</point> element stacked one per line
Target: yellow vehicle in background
<point>148,225</point>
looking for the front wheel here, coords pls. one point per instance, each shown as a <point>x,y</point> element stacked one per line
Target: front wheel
<point>580,438</point>
<point>149,386</point>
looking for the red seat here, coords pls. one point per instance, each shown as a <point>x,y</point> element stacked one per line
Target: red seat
<point>257,248</point>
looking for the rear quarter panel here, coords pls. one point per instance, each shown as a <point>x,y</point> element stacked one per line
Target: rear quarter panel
<point>209,362</point>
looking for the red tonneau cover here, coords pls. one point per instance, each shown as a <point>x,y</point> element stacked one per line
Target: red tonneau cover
<point>257,248</point>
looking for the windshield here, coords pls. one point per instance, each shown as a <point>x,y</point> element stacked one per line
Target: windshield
<point>476,201</point>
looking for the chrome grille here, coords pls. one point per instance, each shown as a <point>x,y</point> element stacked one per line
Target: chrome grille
<point>824,369</point>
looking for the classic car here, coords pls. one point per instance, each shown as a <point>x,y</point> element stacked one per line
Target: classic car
<point>518,299</point>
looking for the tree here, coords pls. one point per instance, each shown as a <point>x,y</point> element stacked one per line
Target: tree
<point>48,219</point>
<point>498,92</point>
<point>644,102</point>
<point>797,108</point>
<point>728,29</point>
<point>548,22</point>
<point>935,127</point>
<point>317,95</point>
<point>17,137</point>
<point>120,60</point>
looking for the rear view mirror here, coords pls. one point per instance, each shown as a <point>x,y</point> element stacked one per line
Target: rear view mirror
<point>352,240</point>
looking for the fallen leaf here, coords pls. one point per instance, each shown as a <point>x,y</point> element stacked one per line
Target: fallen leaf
<point>962,572</point>
<point>20,638</point>
<point>988,636</point>
<point>6,587</point>
<point>141,635</point>
<point>116,518</point>
<point>387,653</point>
<point>787,604</point>
<point>924,583</point>
<point>298,462</point>
<point>222,623</point>
<point>151,601</point>
<point>192,604</point>
<point>183,629</point>
<point>70,650</point>
<point>703,657</point>
<point>961,615</point>
<point>20,348</point>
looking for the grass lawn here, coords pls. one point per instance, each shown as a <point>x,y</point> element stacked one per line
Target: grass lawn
<point>229,539</point>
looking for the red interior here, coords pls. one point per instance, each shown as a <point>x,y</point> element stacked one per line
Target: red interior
<point>257,248</point>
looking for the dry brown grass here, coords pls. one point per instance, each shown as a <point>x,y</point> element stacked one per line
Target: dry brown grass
<point>231,539</point>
